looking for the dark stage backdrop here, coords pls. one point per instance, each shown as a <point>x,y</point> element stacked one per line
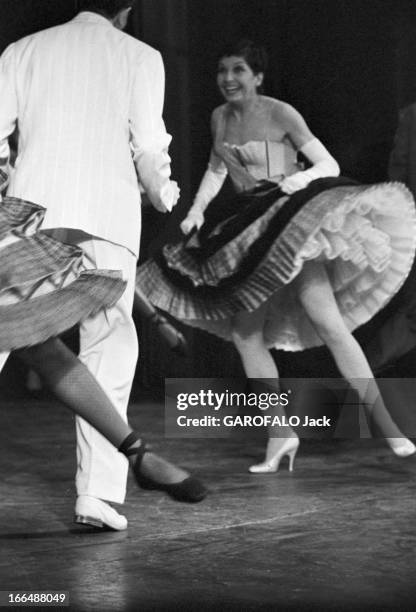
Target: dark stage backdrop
<point>347,65</point>
<point>334,60</point>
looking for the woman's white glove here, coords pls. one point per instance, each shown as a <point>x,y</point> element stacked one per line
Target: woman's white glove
<point>211,183</point>
<point>192,219</point>
<point>323,165</point>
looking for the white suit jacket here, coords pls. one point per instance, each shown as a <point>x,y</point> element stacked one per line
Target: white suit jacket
<point>88,101</point>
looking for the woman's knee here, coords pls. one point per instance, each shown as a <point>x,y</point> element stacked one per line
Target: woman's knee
<point>247,342</point>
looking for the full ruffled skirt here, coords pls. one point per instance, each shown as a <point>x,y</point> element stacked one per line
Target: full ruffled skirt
<point>253,246</point>
<point>44,287</point>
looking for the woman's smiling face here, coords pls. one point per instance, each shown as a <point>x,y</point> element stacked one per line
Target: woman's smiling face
<point>236,80</point>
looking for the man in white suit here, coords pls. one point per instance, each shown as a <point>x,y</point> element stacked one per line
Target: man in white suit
<point>88,100</point>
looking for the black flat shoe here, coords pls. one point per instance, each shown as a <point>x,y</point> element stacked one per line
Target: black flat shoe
<point>190,490</point>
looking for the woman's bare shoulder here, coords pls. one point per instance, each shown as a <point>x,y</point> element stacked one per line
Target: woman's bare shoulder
<point>217,114</point>
<point>281,111</point>
<point>290,121</point>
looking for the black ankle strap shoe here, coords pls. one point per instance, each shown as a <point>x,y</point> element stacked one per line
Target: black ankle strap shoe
<point>190,490</point>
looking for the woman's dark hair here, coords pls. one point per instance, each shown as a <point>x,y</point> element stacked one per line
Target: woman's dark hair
<point>108,8</point>
<point>254,55</point>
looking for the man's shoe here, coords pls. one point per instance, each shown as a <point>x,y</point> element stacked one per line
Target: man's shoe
<point>96,513</point>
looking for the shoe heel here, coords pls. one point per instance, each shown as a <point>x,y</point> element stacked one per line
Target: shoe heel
<point>88,520</point>
<point>292,454</point>
<point>290,448</point>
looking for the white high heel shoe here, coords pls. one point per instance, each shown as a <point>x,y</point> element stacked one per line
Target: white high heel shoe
<point>401,447</point>
<point>289,448</point>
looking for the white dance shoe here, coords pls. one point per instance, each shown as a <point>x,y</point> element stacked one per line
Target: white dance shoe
<point>96,513</point>
<point>401,447</point>
<point>289,447</point>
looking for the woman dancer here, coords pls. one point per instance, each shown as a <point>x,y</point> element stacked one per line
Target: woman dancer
<point>296,259</point>
<point>44,291</point>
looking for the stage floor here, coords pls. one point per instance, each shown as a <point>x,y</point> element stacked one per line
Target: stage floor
<point>339,533</point>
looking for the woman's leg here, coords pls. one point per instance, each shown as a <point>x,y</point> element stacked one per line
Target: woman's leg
<point>76,388</point>
<point>317,298</point>
<point>248,338</point>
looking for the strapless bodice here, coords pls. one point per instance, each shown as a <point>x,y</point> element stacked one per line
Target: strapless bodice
<point>265,158</point>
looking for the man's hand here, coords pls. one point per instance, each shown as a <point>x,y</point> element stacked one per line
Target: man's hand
<point>169,197</point>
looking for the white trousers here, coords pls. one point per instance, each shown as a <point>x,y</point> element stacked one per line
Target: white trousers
<point>3,358</point>
<point>109,348</point>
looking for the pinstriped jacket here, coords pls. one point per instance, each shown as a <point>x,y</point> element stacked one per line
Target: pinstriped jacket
<point>88,101</point>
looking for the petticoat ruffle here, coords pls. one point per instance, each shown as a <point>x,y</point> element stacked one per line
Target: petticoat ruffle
<point>365,235</point>
<point>44,287</point>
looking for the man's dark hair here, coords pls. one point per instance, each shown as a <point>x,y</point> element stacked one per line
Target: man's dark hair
<point>108,8</point>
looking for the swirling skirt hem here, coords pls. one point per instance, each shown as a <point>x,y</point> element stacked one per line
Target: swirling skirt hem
<point>360,289</point>
<point>31,322</point>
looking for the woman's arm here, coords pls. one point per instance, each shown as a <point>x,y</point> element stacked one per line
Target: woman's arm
<point>209,187</point>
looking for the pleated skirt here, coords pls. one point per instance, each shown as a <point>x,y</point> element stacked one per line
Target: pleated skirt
<point>252,246</point>
<point>44,286</point>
